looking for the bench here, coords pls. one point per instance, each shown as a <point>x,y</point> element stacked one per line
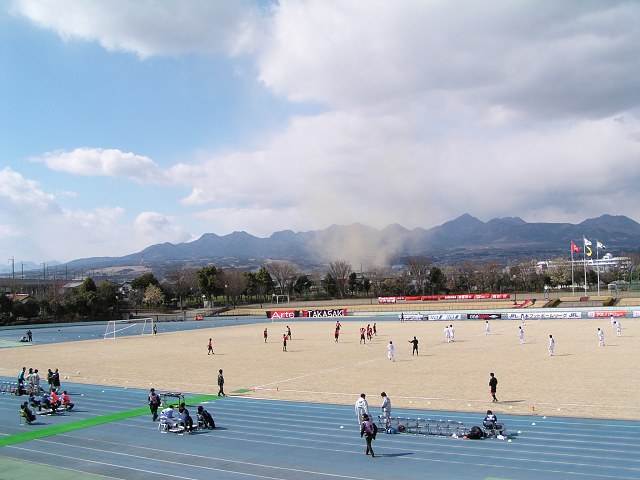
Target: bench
<point>424,426</point>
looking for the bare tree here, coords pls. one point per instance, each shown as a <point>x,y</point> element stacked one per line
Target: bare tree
<point>525,275</point>
<point>340,271</point>
<point>419,272</point>
<point>377,275</point>
<point>235,282</point>
<point>488,279</point>
<point>284,274</point>
<point>181,282</point>
<point>560,272</point>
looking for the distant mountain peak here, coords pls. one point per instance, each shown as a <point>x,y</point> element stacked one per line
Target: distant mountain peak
<point>508,237</point>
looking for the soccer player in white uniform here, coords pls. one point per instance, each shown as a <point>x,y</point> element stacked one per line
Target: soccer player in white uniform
<point>390,350</point>
<point>552,345</point>
<point>521,334</point>
<point>447,334</point>
<point>362,407</point>
<point>618,329</point>
<point>487,328</point>
<point>613,324</point>
<point>452,333</point>
<point>386,410</point>
<point>600,338</point>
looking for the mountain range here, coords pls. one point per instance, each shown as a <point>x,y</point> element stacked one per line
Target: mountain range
<point>466,237</point>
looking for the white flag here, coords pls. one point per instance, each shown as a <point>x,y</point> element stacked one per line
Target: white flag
<point>587,243</point>
<point>601,245</point>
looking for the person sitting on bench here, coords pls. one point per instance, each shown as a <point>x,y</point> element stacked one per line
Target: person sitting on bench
<point>166,417</point>
<point>490,422</point>
<point>45,402</point>
<point>185,418</point>
<point>35,403</point>
<point>65,401</point>
<point>54,399</point>
<point>205,420</point>
<point>26,413</point>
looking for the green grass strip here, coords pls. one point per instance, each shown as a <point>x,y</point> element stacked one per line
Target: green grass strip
<point>87,422</point>
<point>21,469</point>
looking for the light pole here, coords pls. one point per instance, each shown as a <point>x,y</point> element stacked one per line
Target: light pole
<point>13,275</point>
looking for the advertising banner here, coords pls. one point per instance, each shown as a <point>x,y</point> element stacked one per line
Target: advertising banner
<point>282,314</point>
<point>543,315</point>
<point>445,316</point>
<point>483,316</point>
<point>599,314</point>
<point>334,312</point>
<point>386,299</point>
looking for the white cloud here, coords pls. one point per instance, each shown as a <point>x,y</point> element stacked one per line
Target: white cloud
<point>340,168</point>
<point>23,195</point>
<point>545,59</point>
<point>152,27</point>
<point>105,162</point>
<point>153,225</point>
<point>35,227</point>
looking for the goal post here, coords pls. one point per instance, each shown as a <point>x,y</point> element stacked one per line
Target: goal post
<point>116,327</point>
<point>147,326</point>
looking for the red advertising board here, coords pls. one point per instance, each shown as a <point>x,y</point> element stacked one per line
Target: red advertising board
<point>334,312</point>
<point>281,314</point>
<point>386,299</point>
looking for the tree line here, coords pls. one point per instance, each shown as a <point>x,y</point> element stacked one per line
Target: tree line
<point>188,287</point>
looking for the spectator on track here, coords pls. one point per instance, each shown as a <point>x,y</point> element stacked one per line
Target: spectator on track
<point>154,403</point>
<point>221,384</point>
<point>362,407</point>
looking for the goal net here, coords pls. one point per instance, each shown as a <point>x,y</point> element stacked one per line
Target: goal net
<point>115,328</point>
<point>147,326</point>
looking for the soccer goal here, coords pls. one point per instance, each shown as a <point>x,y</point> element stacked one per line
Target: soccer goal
<point>148,326</point>
<point>116,327</point>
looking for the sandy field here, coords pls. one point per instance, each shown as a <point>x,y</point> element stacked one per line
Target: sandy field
<point>581,379</point>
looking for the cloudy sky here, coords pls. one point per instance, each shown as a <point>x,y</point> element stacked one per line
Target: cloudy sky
<point>125,124</point>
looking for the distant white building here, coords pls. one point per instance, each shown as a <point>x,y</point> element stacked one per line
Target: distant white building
<point>605,263</point>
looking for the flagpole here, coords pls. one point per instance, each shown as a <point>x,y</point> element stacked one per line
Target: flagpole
<point>584,259</point>
<point>573,283</point>
<point>598,266</point>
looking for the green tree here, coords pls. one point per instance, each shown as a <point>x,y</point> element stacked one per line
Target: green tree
<point>29,309</point>
<point>264,282</point>
<point>6,309</point>
<point>354,284</point>
<point>143,281</point>
<point>437,281</point>
<point>329,284</point>
<point>210,281</point>
<point>302,284</point>
<point>88,285</point>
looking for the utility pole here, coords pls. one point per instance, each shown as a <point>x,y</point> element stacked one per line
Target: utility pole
<point>13,275</point>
